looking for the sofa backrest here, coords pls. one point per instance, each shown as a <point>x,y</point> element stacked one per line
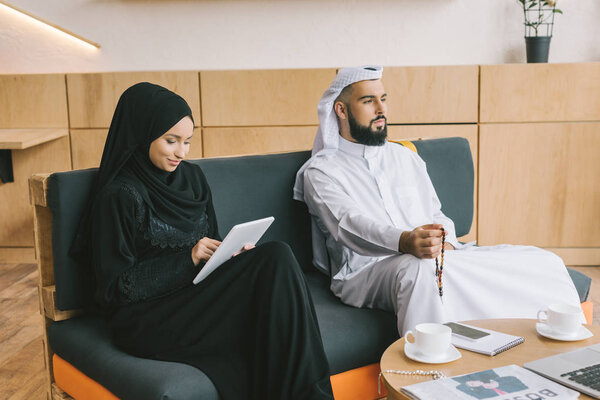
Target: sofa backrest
<point>247,188</point>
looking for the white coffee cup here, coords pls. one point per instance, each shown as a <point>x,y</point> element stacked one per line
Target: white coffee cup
<point>430,339</point>
<point>563,319</point>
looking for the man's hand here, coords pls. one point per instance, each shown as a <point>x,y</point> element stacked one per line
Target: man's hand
<point>423,242</point>
<point>204,249</point>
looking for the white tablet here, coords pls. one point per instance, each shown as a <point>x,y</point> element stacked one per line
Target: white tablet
<point>238,236</point>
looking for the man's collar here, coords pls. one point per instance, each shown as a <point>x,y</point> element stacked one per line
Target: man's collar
<point>357,149</point>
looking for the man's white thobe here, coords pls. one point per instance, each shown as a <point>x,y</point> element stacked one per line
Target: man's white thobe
<point>363,197</point>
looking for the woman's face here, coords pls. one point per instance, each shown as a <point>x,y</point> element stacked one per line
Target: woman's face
<point>167,151</point>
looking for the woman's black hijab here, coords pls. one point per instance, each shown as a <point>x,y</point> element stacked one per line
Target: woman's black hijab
<point>144,113</point>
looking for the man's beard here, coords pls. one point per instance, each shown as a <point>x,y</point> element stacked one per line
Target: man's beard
<point>366,134</point>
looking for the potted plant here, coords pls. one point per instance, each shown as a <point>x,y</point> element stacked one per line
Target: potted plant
<point>539,22</point>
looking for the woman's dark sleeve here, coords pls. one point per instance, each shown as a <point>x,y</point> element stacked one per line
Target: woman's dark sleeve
<point>121,277</point>
<point>157,276</point>
<point>113,241</point>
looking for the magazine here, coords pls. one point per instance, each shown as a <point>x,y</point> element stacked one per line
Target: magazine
<point>510,382</point>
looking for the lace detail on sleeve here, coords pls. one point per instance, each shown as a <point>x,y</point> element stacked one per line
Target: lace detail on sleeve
<point>157,277</point>
<point>163,235</point>
<point>140,206</point>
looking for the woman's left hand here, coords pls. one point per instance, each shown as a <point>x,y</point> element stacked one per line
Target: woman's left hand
<point>245,248</point>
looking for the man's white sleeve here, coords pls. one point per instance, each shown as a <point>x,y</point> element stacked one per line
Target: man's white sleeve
<point>345,220</point>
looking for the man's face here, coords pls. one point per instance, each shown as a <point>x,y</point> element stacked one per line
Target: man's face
<point>367,112</point>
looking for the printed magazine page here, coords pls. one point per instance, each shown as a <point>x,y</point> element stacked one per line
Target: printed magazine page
<point>504,383</point>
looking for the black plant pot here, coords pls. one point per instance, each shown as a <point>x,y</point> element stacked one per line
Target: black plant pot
<point>537,48</point>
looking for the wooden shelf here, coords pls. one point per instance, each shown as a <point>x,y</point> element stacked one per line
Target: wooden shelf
<point>19,139</point>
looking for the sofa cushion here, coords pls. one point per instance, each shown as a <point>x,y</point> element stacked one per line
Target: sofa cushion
<point>68,193</point>
<point>450,167</point>
<point>352,338</point>
<point>85,343</point>
<point>582,283</point>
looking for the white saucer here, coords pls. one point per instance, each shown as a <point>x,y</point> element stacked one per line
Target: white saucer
<point>546,331</point>
<point>413,353</point>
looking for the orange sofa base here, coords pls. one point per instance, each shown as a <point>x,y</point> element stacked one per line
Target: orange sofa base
<point>356,384</point>
<point>76,384</point>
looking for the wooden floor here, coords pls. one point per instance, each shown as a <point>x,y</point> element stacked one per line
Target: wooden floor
<point>21,361</point>
<point>21,353</point>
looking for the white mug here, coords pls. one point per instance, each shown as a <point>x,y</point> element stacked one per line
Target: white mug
<point>431,339</point>
<point>563,319</point>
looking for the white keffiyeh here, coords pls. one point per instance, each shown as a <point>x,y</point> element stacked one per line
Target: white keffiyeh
<point>326,140</point>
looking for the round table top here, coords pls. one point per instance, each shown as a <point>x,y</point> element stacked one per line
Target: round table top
<point>534,347</point>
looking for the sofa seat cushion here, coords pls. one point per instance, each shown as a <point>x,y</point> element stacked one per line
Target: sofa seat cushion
<point>352,338</point>
<point>85,342</point>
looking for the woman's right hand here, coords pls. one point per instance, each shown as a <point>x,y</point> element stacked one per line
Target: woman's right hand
<point>204,249</point>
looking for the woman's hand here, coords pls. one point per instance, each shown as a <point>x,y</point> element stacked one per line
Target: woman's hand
<point>204,249</point>
<point>245,248</point>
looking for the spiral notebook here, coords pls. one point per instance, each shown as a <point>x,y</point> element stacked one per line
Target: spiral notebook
<point>495,343</point>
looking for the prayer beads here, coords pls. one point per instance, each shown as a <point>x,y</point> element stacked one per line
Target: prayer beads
<point>439,269</point>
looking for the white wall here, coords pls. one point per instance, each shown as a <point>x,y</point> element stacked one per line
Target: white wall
<point>260,34</point>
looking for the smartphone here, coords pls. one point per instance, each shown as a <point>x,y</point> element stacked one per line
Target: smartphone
<point>466,332</point>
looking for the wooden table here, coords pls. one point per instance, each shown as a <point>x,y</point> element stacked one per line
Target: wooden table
<point>21,139</point>
<point>535,347</point>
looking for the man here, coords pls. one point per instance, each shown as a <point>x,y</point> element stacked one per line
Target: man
<point>377,225</point>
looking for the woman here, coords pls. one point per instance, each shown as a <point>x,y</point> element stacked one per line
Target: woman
<point>250,325</point>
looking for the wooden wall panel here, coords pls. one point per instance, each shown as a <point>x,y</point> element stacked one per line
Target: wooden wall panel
<point>440,94</point>
<point>196,145</point>
<point>469,132</point>
<point>33,101</point>
<point>16,216</point>
<point>540,92</point>
<point>263,98</point>
<point>539,184</point>
<point>260,140</point>
<point>578,255</point>
<point>87,146</point>
<point>93,97</point>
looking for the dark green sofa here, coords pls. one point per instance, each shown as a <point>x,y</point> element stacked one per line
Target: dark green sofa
<point>244,188</point>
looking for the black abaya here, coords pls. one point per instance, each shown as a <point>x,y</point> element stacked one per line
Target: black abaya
<point>249,326</point>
